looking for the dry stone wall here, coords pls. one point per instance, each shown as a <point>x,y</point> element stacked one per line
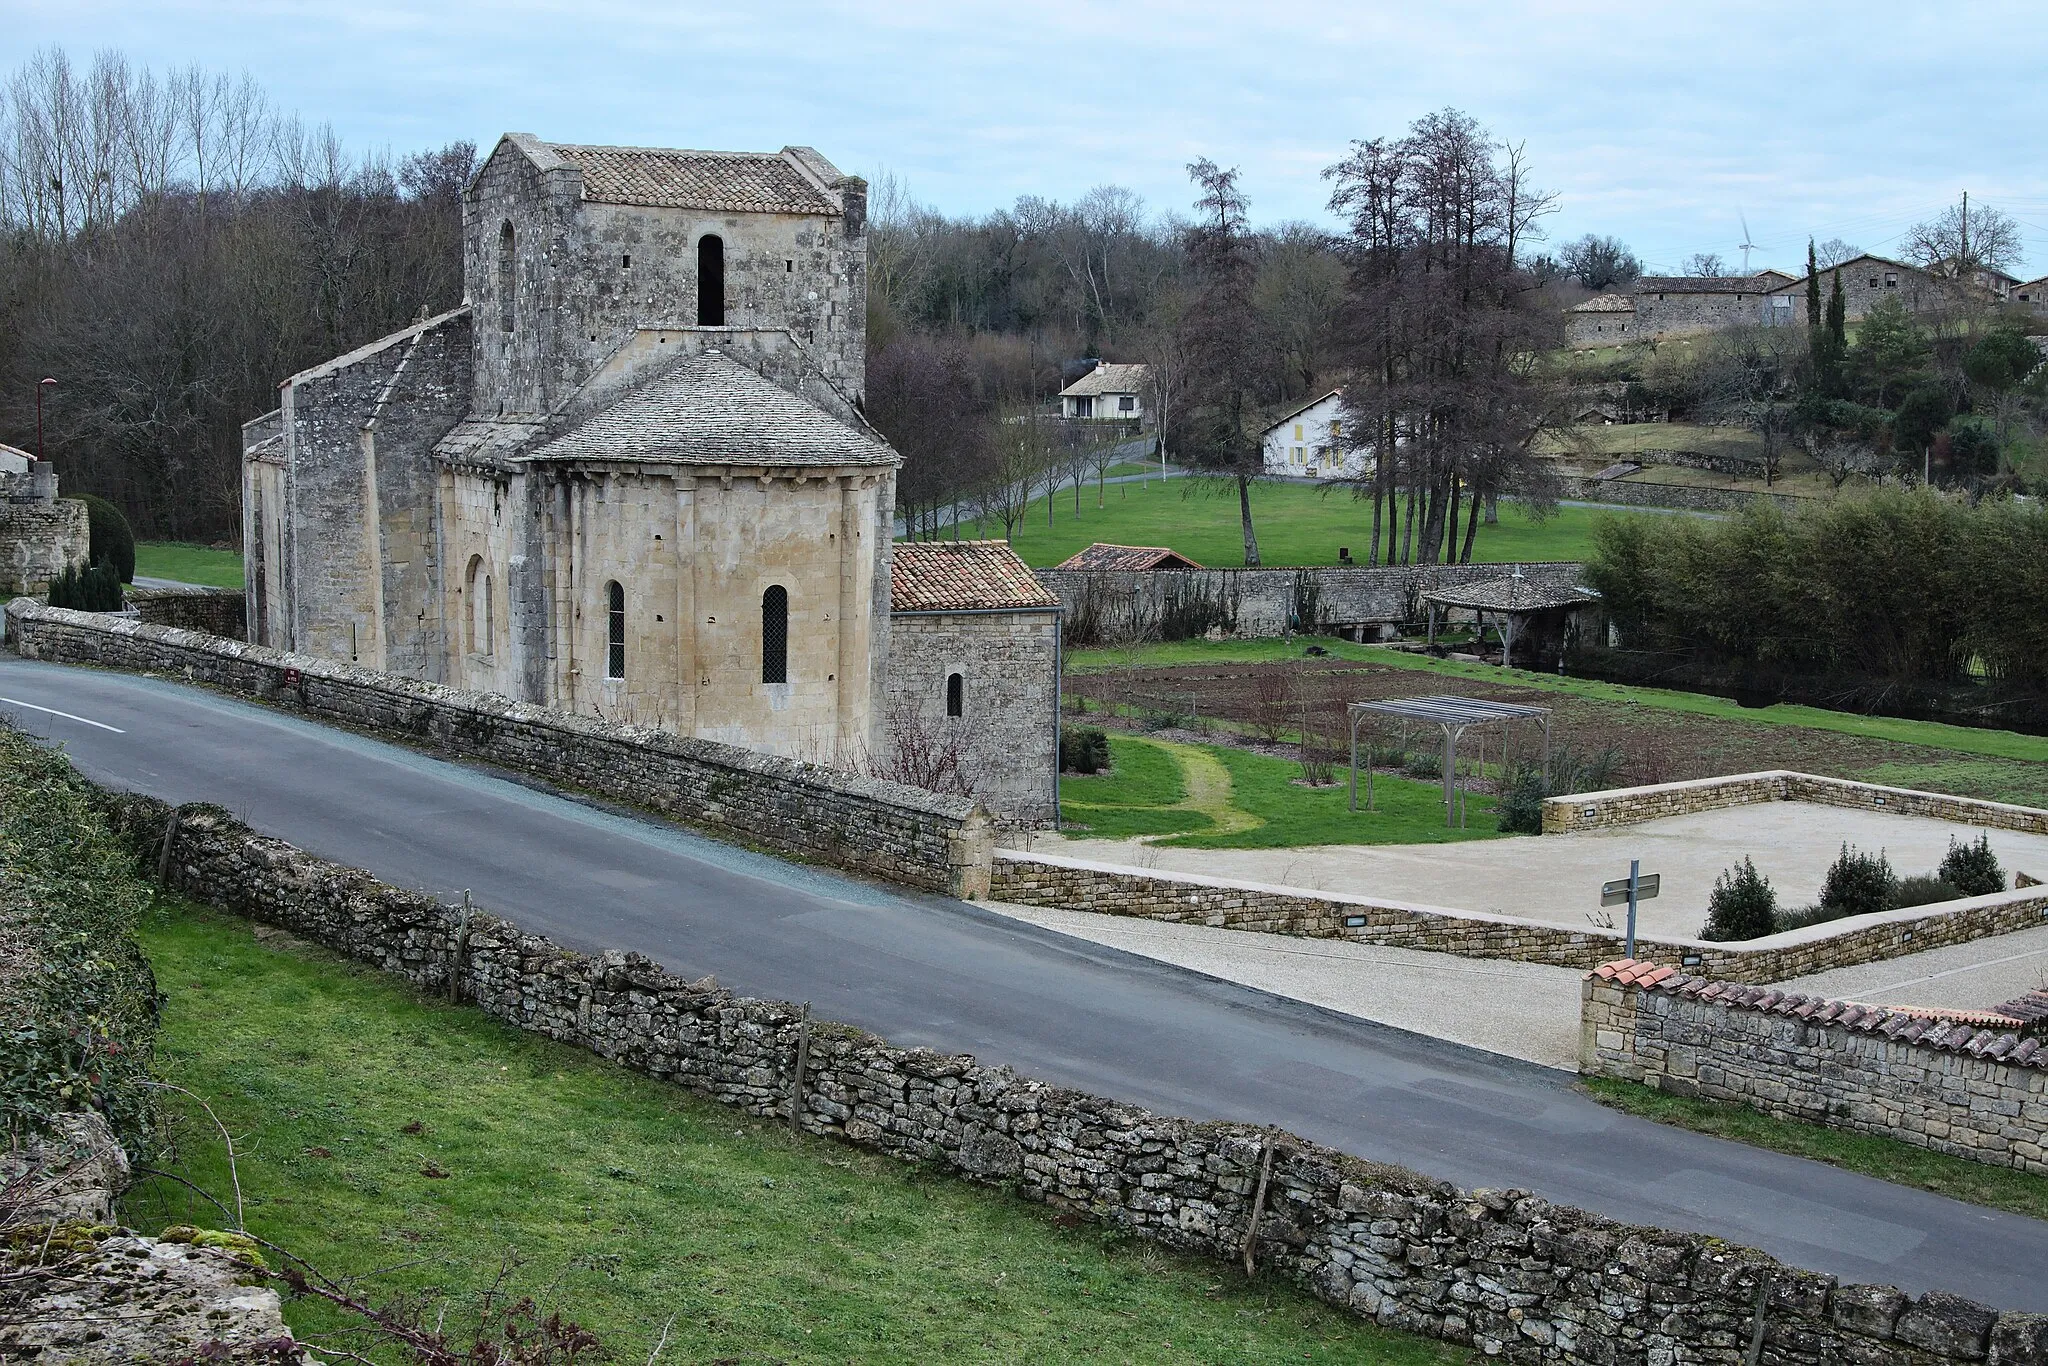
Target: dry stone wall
<point>1968,1084</point>
<point>39,541</point>
<point>1634,805</point>
<point>1055,880</point>
<point>880,828</point>
<point>1685,497</point>
<point>213,611</point>
<point>1503,1271</point>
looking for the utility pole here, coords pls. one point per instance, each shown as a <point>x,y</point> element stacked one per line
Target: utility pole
<point>1963,249</point>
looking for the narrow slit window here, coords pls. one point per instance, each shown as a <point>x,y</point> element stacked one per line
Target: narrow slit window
<point>956,695</point>
<point>711,281</point>
<point>775,635</point>
<point>615,630</point>
<point>508,276</point>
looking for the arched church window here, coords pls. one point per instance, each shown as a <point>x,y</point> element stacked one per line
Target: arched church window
<point>508,278</point>
<point>711,280</point>
<point>775,635</point>
<point>956,695</point>
<point>614,630</point>
<point>478,622</point>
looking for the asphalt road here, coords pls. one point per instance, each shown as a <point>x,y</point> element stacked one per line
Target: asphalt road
<point>925,970</point>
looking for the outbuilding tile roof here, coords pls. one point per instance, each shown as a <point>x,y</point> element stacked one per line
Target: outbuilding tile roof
<point>1510,593</point>
<point>712,410</point>
<point>1108,379</point>
<point>962,576</point>
<point>671,178</point>
<point>1103,555</point>
<point>1709,284</point>
<point>1990,1034</point>
<point>1607,303</point>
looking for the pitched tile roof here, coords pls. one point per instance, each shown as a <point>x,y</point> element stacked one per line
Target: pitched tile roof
<point>962,576</point>
<point>1109,379</point>
<point>1103,555</point>
<point>1607,303</point>
<point>712,410</point>
<point>1298,409</point>
<point>1991,1034</point>
<point>1709,284</point>
<point>1510,593</point>
<point>671,178</point>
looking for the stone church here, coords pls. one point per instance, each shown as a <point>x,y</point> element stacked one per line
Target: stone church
<point>630,477</point>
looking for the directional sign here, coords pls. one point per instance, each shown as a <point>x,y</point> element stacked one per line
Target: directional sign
<point>1615,893</point>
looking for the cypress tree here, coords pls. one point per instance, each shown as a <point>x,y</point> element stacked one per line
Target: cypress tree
<point>1812,286</point>
<point>1838,312</point>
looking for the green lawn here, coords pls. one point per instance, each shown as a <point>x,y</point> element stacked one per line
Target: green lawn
<point>1296,524</point>
<point>389,1136</point>
<point>1996,744</point>
<point>188,563</point>
<point>1885,1158</point>
<point>1216,797</point>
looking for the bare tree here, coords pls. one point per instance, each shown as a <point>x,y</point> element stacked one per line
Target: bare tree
<point>1835,251</point>
<point>1217,428</point>
<point>1300,293</point>
<point>1703,263</point>
<point>1962,239</point>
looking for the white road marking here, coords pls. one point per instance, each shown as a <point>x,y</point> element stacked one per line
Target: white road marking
<point>65,714</point>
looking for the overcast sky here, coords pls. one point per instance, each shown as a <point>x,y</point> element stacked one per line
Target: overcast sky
<point>1664,124</point>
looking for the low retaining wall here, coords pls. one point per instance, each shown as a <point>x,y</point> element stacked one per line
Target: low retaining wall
<point>1108,607</point>
<point>904,834</point>
<point>1053,880</point>
<point>1503,1271</point>
<point>1683,497</point>
<point>213,611</point>
<point>1965,1083</point>
<point>1634,805</point>
<point>1740,466</point>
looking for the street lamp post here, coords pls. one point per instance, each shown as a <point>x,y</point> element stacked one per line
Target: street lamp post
<point>41,385</point>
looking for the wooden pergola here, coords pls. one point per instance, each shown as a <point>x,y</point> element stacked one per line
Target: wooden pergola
<point>1454,716</point>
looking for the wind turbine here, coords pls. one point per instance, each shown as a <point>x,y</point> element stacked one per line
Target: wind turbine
<point>1747,245</point>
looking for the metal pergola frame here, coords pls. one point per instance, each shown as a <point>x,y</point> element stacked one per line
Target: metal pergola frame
<point>1454,715</point>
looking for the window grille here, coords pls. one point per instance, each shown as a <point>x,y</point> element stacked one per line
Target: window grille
<point>775,635</point>
<point>615,630</point>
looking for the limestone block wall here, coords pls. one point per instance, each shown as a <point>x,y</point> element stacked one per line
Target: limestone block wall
<point>879,828</point>
<point>1634,805</point>
<point>1007,735</point>
<point>1630,493</point>
<point>1741,466</point>
<point>1502,1271</point>
<point>1112,606</point>
<point>211,611</point>
<point>1033,879</point>
<point>1962,1083</point>
<point>1675,313</point>
<point>38,541</point>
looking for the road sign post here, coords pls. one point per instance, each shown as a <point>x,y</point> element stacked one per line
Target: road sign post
<point>1631,889</point>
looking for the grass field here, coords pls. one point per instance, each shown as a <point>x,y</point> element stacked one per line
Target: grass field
<point>1296,524</point>
<point>1216,797</point>
<point>188,563</point>
<point>390,1137</point>
<point>1887,1159</point>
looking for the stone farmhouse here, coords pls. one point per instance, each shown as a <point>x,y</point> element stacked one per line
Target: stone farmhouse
<point>1307,442</point>
<point>1868,279</point>
<point>630,477</point>
<point>1609,320</point>
<point>1675,305</point>
<point>1108,393</point>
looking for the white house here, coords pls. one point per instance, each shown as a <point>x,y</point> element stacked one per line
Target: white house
<point>1108,392</point>
<point>1308,443</point>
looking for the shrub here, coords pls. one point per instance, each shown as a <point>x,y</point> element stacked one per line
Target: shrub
<point>1923,890</point>
<point>1972,869</point>
<point>91,589</point>
<point>1741,906</point>
<point>1083,749</point>
<point>111,540</point>
<point>1424,764</point>
<point>1520,809</point>
<point>1857,884</point>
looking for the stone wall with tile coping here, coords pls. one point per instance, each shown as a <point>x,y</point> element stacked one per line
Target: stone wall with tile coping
<point>1960,1083</point>
<point>1502,1271</point>
<point>1634,805</point>
<point>1055,880</point>
<point>923,839</point>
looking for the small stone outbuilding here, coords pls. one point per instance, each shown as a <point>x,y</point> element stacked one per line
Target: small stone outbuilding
<point>41,534</point>
<point>974,672</point>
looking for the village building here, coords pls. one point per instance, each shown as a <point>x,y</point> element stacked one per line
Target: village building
<point>1609,320</point>
<point>1677,305</point>
<point>1108,393</point>
<point>2031,296</point>
<point>628,477</point>
<point>1308,442</point>
<point>1867,279</point>
<point>41,535</point>
<point>1104,556</point>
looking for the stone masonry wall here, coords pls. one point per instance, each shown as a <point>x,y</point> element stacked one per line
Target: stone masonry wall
<point>879,828</point>
<point>1742,466</point>
<point>213,611</point>
<point>1110,606</point>
<point>1964,1084</point>
<point>38,541</point>
<point>1634,805</point>
<point>1685,497</point>
<point>1007,735</point>
<point>1503,1271</point>
<point>1183,898</point>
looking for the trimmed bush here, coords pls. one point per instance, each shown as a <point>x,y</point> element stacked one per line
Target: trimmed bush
<point>1083,749</point>
<point>1742,905</point>
<point>1857,884</point>
<point>94,588</point>
<point>1972,869</point>
<point>1924,890</point>
<point>111,539</point>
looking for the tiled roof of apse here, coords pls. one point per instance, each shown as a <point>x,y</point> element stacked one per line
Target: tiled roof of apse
<point>671,178</point>
<point>962,576</point>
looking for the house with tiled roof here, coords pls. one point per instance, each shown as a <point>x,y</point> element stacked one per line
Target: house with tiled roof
<point>1104,556</point>
<point>1674,305</point>
<point>1108,392</point>
<point>1307,441</point>
<point>1608,320</point>
<point>629,477</point>
<point>974,671</point>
